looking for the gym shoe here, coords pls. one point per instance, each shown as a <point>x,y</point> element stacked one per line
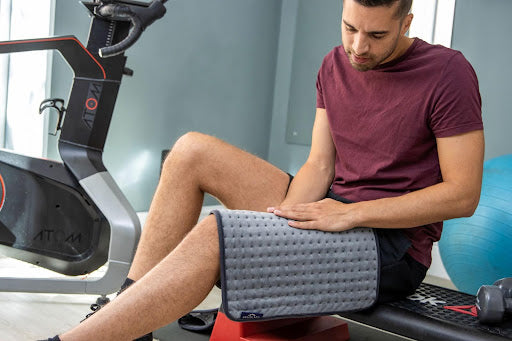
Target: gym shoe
<point>94,307</point>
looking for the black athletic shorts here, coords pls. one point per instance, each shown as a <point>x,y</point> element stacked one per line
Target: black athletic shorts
<point>400,274</point>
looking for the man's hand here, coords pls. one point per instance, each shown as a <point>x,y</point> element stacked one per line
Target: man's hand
<point>325,215</point>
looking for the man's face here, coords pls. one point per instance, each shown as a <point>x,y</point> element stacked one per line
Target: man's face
<point>371,35</point>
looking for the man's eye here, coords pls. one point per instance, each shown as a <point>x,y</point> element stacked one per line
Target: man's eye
<point>377,36</point>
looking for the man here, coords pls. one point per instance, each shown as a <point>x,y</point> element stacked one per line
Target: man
<point>397,130</point>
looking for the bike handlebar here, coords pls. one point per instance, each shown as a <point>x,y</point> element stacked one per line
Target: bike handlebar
<point>140,18</point>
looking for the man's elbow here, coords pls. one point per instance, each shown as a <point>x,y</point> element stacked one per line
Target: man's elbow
<point>468,205</point>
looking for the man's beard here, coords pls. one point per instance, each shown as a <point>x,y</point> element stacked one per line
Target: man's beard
<point>372,60</point>
<point>368,65</point>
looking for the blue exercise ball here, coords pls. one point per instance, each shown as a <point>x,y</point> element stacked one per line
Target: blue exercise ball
<point>502,163</point>
<point>478,250</point>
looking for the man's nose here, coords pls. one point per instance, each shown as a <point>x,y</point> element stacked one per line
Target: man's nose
<point>360,45</point>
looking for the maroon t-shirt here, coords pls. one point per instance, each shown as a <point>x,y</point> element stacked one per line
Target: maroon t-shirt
<point>384,124</point>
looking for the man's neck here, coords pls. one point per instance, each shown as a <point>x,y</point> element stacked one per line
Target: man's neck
<point>403,45</point>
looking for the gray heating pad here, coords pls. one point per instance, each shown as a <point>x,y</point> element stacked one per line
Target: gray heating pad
<point>271,270</point>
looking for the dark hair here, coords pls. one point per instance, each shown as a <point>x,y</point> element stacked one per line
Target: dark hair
<point>404,6</point>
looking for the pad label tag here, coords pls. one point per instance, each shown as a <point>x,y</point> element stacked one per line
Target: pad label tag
<point>250,316</point>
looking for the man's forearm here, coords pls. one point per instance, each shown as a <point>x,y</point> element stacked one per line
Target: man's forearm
<point>432,204</point>
<point>461,165</point>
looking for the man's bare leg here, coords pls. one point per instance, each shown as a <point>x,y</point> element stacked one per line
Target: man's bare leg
<point>197,164</point>
<point>171,289</point>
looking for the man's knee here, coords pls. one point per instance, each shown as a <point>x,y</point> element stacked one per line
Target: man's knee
<point>189,149</point>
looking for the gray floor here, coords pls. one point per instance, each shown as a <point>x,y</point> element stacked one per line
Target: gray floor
<point>28,316</point>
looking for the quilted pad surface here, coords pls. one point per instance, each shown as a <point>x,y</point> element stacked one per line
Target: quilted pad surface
<point>271,270</point>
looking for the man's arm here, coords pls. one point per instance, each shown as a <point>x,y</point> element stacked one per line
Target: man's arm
<point>314,178</point>
<point>461,162</point>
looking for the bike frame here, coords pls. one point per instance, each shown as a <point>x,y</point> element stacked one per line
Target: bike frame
<point>89,111</point>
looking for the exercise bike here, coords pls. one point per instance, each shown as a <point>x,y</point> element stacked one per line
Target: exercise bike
<point>70,216</point>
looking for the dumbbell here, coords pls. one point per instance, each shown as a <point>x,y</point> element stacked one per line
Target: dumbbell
<point>493,301</point>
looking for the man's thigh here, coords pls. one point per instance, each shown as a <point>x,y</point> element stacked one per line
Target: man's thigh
<point>238,179</point>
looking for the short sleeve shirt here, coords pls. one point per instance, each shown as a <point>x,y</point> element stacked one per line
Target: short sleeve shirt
<point>384,123</point>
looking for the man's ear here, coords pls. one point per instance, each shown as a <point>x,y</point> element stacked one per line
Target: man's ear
<point>406,24</point>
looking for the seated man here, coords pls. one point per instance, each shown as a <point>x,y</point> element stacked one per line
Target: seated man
<point>398,131</point>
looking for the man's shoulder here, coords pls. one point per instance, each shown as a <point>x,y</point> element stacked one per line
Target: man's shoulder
<point>431,59</point>
<point>440,52</point>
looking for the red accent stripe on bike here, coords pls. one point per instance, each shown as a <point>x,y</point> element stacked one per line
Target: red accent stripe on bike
<point>56,39</point>
<point>3,192</point>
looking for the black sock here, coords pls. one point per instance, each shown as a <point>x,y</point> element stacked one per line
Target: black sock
<point>126,284</point>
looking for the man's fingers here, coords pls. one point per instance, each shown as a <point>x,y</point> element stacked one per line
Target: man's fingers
<point>293,213</point>
<point>322,215</point>
<point>305,225</point>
